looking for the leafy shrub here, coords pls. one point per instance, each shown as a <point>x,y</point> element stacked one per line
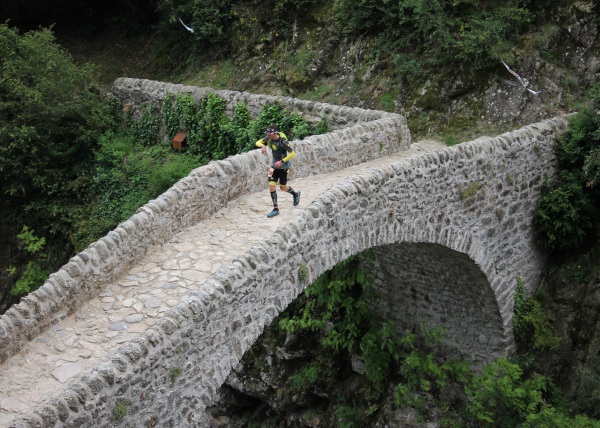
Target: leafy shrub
<point>335,305</point>
<point>50,119</point>
<point>378,355</point>
<point>441,31</point>
<point>567,208</point>
<point>144,128</point>
<point>531,324</point>
<point>212,135</point>
<point>550,417</point>
<point>422,371</point>
<point>591,167</point>
<point>499,396</point>
<point>350,417</point>
<point>305,378</point>
<point>179,113</point>
<point>36,272</point>
<point>563,218</point>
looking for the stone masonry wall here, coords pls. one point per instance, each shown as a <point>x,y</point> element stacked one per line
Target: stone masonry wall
<point>203,192</point>
<point>432,284</point>
<point>420,200</point>
<point>137,92</point>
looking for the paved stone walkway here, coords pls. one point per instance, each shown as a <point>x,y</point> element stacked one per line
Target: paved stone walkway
<point>165,277</point>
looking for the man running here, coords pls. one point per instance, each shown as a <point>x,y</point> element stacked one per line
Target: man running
<point>282,154</point>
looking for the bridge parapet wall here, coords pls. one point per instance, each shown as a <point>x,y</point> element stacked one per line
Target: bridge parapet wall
<point>418,200</point>
<point>204,191</point>
<point>140,91</point>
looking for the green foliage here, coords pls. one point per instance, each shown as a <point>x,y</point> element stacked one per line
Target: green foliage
<point>470,191</point>
<point>126,175</point>
<point>500,397</point>
<point>378,349</point>
<point>179,113</point>
<point>36,271</point>
<point>144,129</point>
<point>441,31</point>
<point>295,126</point>
<point>591,167</point>
<point>563,217</point>
<point>484,38</point>
<point>32,243</point>
<point>238,128</point>
<point>49,117</point>
<point>208,18</point>
<point>407,66</point>
<point>212,135</point>
<point>336,305</point>
<point>451,140</point>
<point>303,272</point>
<point>305,378</point>
<point>350,417</point>
<point>423,372</point>
<point>31,279</point>
<point>550,417</point>
<point>120,410</point>
<point>567,208</point>
<point>587,377</point>
<point>531,324</point>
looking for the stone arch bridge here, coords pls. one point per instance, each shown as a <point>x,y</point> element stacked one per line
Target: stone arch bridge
<point>143,327</point>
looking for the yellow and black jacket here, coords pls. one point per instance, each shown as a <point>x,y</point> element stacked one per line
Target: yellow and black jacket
<point>280,148</point>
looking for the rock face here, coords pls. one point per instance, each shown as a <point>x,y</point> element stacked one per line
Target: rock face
<point>560,58</point>
<point>574,300</point>
<point>271,387</point>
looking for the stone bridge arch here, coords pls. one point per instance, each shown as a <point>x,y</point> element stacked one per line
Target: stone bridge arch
<point>426,207</point>
<point>469,207</point>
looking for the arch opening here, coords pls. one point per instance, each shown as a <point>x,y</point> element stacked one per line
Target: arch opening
<point>421,282</point>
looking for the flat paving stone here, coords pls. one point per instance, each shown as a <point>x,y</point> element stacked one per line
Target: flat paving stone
<point>66,371</point>
<point>135,318</point>
<point>118,326</point>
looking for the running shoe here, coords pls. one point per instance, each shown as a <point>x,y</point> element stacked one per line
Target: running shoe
<point>297,199</point>
<point>273,213</point>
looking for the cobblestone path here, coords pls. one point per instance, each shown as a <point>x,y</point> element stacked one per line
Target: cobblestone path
<point>162,279</point>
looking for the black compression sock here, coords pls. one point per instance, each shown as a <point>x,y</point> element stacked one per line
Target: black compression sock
<point>290,190</point>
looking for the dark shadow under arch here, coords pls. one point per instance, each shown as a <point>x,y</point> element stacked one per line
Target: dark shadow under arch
<point>419,282</point>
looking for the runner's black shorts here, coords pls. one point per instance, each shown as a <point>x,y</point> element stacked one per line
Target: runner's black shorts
<point>279,175</point>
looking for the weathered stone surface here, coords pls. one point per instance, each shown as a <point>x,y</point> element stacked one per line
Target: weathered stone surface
<point>414,208</point>
<point>66,371</point>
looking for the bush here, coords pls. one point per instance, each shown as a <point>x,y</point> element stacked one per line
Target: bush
<point>549,417</point>
<point>563,217</point>
<point>36,271</point>
<point>50,119</point>
<point>531,324</point>
<point>439,31</point>
<point>567,209</point>
<point>500,397</point>
<point>144,129</point>
<point>208,18</point>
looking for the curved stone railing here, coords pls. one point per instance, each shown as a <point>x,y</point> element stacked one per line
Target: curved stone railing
<point>140,91</point>
<point>370,134</point>
<point>204,337</point>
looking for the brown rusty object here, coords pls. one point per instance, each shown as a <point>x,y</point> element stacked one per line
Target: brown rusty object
<point>178,140</point>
